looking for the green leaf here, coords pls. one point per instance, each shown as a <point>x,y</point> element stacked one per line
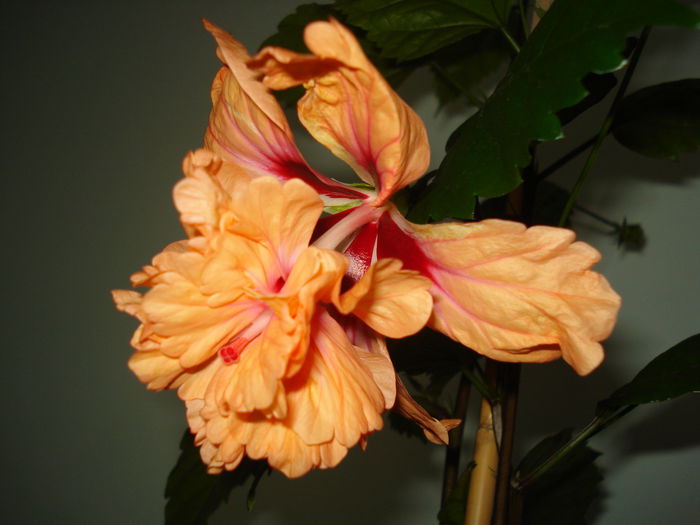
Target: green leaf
<point>465,68</point>
<point>671,374</point>
<point>193,495</point>
<point>597,86</point>
<point>409,29</point>
<point>661,121</point>
<point>452,512</point>
<point>573,39</point>
<point>564,493</point>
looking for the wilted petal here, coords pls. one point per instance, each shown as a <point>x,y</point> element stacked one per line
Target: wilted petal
<point>350,108</point>
<point>435,431</point>
<point>247,126</point>
<point>509,292</point>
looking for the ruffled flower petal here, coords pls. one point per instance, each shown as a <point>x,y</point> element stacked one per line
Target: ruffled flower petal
<point>205,193</point>
<point>509,292</point>
<point>332,403</point>
<point>248,127</point>
<point>350,108</point>
<point>281,216</point>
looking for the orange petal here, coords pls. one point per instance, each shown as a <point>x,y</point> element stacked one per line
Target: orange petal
<point>435,431</point>
<point>155,370</point>
<point>509,292</point>
<point>282,216</point>
<point>333,403</point>
<point>335,396</point>
<point>248,127</point>
<point>392,301</point>
<point>372,350</point>
<point>350,108</point>
<point>206,191</point>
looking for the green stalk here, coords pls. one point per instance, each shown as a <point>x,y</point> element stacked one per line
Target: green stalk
<point>598,423</point>
<point>605,128</point>
<point>510,39</point>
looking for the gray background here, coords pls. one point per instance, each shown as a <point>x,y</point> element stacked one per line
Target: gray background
<point>100,103</point>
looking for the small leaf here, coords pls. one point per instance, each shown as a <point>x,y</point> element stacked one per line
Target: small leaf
<point>661,121</point>
<point>671,374</point>
<point>409,29</point>
<point>574,38</point>
<point>193,495</point>
<point>452,512</point>
<point>564,493</point>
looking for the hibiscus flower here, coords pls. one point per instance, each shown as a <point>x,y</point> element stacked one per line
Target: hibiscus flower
<point>243,318</point>
<point>508,292</point>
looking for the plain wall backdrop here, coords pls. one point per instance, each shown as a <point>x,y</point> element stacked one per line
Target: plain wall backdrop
<point>100,102</point>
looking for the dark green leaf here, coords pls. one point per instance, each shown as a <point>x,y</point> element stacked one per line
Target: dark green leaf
<point>572,40</point>
<point>661,121</point>
<point>193,495</point>
<point>409,29</point>
<point>452,512</point>
<point>465,68</point>
<point>564,493</point>
<point>671,374</point>
<point>597,86</point>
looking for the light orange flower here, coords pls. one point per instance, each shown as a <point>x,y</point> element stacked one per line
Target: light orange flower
<point>243,318</point>
<point>509,292</point>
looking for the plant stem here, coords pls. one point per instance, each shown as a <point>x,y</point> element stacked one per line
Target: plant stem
<point>593,155</point>
<point>454,447</point>
<point>598,423</point>
<point>615,226</point>
<point>564,160</point>
<point>510,40</point>
<point>509,378</point>
<point>482,484</point>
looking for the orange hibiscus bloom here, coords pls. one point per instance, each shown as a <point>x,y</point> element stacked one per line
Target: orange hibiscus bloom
<point>243,318</point>
<point>509,292</point>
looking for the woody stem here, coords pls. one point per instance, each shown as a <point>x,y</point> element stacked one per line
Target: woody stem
<point>482,483</point>
<point>454,447</point>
